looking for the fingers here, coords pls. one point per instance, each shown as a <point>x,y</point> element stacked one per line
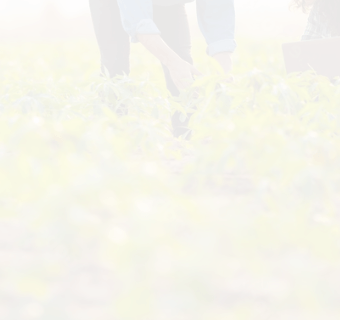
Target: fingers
<point>195,94</point>
<point>180,86</point>
<point>195,72</point>
<point>184,75</point>
<point>184,83</point>
<point>229,80</point>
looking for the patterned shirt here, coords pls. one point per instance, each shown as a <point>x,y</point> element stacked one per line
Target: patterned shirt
<point>317,27</point>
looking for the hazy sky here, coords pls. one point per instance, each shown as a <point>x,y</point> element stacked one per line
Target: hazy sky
<point>75,7</point>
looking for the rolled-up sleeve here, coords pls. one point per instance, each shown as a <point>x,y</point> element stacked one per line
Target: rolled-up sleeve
<point>216,19</point>
<point>137,17</point>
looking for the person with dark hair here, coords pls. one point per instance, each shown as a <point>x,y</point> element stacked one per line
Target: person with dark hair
<point>323,21</point>
<point>162,27</point>
<point>324,18</point>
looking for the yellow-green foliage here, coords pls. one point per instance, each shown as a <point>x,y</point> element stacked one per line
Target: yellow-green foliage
<point>108,217</point>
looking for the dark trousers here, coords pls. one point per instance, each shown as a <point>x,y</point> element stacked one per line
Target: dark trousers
<point>114,42</point>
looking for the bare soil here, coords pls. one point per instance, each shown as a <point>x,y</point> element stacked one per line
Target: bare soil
<point>86,288</point>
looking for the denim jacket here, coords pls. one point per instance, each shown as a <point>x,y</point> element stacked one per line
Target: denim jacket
<point>216,19</point>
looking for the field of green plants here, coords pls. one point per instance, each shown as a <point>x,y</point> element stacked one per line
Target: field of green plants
<point>106,217</point>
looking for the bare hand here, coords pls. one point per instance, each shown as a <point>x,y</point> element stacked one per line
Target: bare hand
<point>229,80</point>
<point>182,73</point>
<point>224,59</point>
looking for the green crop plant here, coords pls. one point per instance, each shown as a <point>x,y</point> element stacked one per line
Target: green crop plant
<point>107,216</point>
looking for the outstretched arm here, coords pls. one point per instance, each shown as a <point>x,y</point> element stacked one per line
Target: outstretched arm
<point>182,72</point>
<point>137,18</point>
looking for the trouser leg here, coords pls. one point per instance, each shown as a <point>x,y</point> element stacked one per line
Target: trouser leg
<point>172,21</point>
<point>113,41</point>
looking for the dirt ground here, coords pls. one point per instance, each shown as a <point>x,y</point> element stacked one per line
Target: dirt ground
<point>86,289</point>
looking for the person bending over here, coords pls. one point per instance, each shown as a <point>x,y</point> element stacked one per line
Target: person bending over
<point>162,27</point>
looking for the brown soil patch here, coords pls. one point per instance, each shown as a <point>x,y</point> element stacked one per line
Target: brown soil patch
<point>9,234</point>
<point>176,166</point>
<point>90,285</point>
<point>244,287</point>
<point>85,290</point>
<point>86,284</point>
<point>232,184</point>
<point>87,287</point>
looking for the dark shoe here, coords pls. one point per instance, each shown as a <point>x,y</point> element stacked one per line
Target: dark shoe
<point>122,110</point>
<point>180,125</point>
<point>181,131</point>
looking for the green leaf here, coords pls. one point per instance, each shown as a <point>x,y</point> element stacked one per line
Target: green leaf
<point>182,117</point>
<point>18,101</point>
<point>217,67</point>
<point>136,303</point>
<point>6,97</point>
<point>84,84</point>
<point>107,89</point>
<point>44,96</point>
<point>178,106</point>
<point>307,188</point>
<point>25,106</point>
<point>106,72</point>
<point>32,286</point>
<point>78,114</point>
<point>155,112</point>
<point>222,162</point>
<point>109,113</point>
<point>40,106</point>
<point>60,114</point>
<point>139,138</point>
<point>201,81</point>
<point>210,88</point>
<point>116,92</point>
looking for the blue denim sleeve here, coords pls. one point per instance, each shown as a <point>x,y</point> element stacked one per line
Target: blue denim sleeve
<point>137,17</point>
<point>216,19</point>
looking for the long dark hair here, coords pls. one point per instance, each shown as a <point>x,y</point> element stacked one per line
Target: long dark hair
<point>329,10</point>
